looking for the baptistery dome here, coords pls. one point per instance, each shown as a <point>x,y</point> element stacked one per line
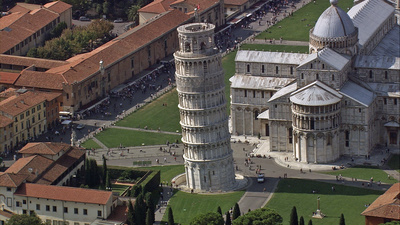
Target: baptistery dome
<point>334,29</point>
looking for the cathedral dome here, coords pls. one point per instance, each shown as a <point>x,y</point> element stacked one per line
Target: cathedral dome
<point>334,22</point>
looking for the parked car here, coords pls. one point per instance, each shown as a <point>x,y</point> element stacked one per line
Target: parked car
<point>80,126</point>
<point>119,20</point>
<point>84,18</point>
<point>260,178</point>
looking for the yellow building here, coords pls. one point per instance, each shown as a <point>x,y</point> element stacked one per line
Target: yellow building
<point>6,134</point>
<point>27,110</point>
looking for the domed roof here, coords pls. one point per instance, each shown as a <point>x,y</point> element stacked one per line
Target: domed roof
<point>333,22</point>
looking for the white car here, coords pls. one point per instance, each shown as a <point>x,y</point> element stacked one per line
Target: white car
<point>260,178</point>
<point>80,126</point>
<point>119,20</point>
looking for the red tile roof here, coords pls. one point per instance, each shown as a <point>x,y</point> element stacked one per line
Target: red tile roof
<point>84,65</point>
<point>11,180</point>
<point>63,193</point>
<point>158,6</point>
<point>6,214</point>
<point>15,105</point>
<point>386,205</point>
<point>5,121</point>
<point>235,2</point>
<point>119,214</point>
<point>45,80</point>
<point>58,6</point>
<point>23,26</point>
<point>203,4</point>
<point>8,78</point>
<point>44,148</point>
<point>60,166</point>
<point>28,61</point>
<point>31,166</point>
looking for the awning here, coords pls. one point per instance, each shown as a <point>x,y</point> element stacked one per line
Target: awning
<point>392,124</point>
<point>66,122</point>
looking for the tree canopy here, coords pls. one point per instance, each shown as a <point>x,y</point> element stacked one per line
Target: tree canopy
<point>25,220</point>
<point>210,218</point>
<point>263,216</point>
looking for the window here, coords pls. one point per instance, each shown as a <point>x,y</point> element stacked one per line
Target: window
<point>347,138</point>
<point>33,119</point>
<point>65,209</point>
<point>18,204</point>
<point>395,101</point>
<point>370,74</point>
<point>84,211</point>
<point>256,115</point>
<point>317,76</point>
<point>386,75</point>
<point>8,189</point>
<point>99,211</point>
<point>333,77</point>
<point>276,69</point>
<point>37,206</point>
<point>109,77</point>
<point>262,94</point>
<point>27,113</point>
<point>21,116</point>
<point>132,62</point>
<point>24,202</point>
<point>39,107</point>
<point>262,69</point>
<point>291,70</point>
<point>24,211</point>
<point>323,66</point>
<point>302,76</point>
<point>329,140</point>
<point>248,68</point>
<point>75,210</point>
<point>47,208</point>
<point>245,93</point>
<point>54,208</point>
<point>290,135</point>
<point>33,110</point>
<point>254,93</point>
<point>311,66</point>
<point>384,101</point>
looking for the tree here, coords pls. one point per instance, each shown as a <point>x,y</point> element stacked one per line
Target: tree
<point>24,219</point>
<point>342,222</point>
<point>219,210</point>
<point>170,217</point>
<point>228,219</point>
<point>294,220</point>
<point>210,218</point>
<point>301,220</point>
<point>104,175</point>
<point>391,223</point>
<point>264,216</point>
<point>310,222</point>
<point>108,181</point>
<point>132,13</point>
<point>236,211</point>
<point>130,214</point>
<point>149,216</point>
<point>139,211</point>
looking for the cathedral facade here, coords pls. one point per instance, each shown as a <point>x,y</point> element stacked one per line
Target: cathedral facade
<point>341,99</point>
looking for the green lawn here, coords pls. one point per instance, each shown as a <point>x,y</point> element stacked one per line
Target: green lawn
<point>297,27</point>
<point>167,172</point>
<point>364,173</point>
<point>155,115</point>
<point>228,63</point>
<point>275,48</point>
<point>185,206</point>
<point>347,200</point>
<point>394,162</point>
<point>119,188</point>
<point>113,137</point>
<point>89,144</point>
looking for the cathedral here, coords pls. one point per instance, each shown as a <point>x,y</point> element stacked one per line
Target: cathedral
<point>343,98</point>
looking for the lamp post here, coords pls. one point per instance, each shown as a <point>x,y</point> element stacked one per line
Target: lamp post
<point>318,213</point>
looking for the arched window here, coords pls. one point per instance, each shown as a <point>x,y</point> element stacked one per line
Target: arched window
<point>302,76</point>
<point>317,76</point>
<point>310,65</point>
<point>291,70</point>
<point>256,115</point>
<point>187,47</point>
<point>323,66</point>
<point>333,77</point>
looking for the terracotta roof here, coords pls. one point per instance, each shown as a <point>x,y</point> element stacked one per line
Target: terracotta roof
<point>11,180</point>
<point>158,6</point>
<point>15,105</point>
<point>45,80</point>
<point>19,8</point>
<point>83,65</point>
<point>23,26</point>
<point>28,6</point>
<point>386,205</point>
<point>8,78</point>
<point>119,213</point>
<point>235,2</point>
<point>31,166</point>
<point>63,193</point>
<point>28,61</point>
<point>5,121</point>
<point>6,214</point>
<point>44,148</point>
<point>60,166</point>
<point>58,6</point>
<point>7,93</point>
<point>203,4</point>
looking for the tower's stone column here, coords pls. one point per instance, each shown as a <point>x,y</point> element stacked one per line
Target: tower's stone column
<point>202,106</point>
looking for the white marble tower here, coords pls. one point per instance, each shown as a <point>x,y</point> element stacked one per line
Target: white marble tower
<point>202,105</point>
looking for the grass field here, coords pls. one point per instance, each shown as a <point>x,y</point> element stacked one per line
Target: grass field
<point>275,48</point>
<point>113,137</point>
<point>347,200</point>
<point>89,144</point>
<point>297,27</point>
<point>394,162</point>
<point>364,173</point>
<point>154,115</point>
<point>185,206</point>
<point>167,172</point>
<point>228,63</point>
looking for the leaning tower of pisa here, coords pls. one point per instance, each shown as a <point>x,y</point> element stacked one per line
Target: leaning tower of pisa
<point>202,105</point>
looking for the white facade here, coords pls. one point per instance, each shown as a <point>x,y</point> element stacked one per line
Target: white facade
<point>345,94</point>
<point>202,106</point>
